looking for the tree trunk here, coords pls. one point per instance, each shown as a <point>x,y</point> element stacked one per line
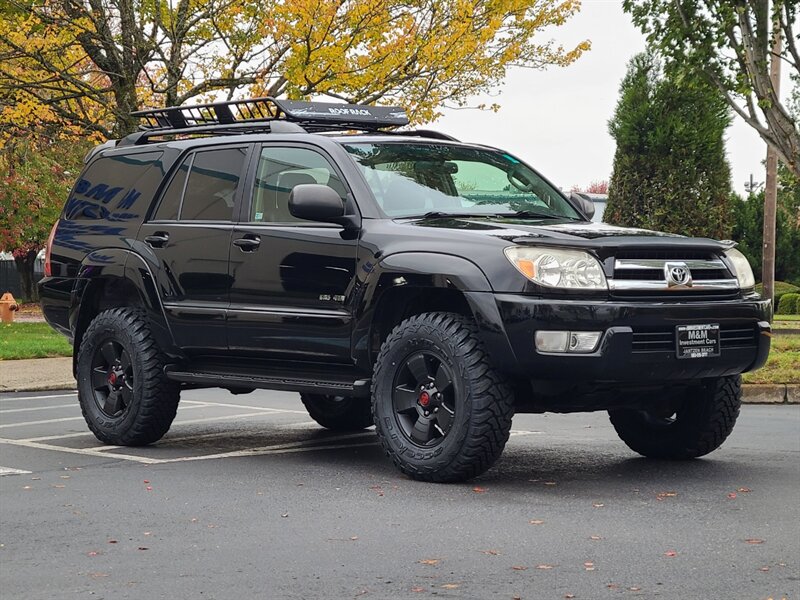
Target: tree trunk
<point>30,291</point>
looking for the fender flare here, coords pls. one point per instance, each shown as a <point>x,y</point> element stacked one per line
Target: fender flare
<point>427,270</point>
<point>116,265</point>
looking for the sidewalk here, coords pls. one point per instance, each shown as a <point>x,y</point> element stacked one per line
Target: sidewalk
<point>56,374</point>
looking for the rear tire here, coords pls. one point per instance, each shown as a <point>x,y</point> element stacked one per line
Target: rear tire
<point>699,426</point>
<point>125,397</point>
<point>338,413</point>
<point>441,411</point>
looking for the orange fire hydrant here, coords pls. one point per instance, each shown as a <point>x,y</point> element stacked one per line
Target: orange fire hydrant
<point>7,308</point>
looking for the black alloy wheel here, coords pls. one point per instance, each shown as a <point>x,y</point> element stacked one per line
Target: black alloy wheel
<point>423,398</point>
<point>112,378</point>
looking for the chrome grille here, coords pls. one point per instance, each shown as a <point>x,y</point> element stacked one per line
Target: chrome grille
<point>648,275</point>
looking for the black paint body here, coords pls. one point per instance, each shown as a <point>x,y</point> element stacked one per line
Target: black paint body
<point>308,306</point>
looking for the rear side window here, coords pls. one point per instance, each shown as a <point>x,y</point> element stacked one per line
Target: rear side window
<point>212,183</point>
<point>170,202</point>
<point>119,187</point>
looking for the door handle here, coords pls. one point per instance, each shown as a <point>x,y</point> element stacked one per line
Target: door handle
<point>248,243</point>
<point>158,240</point>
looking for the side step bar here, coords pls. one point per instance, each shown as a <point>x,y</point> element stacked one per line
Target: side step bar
<point>359,387</point>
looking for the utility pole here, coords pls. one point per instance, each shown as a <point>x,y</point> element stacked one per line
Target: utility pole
<point>771,186</point>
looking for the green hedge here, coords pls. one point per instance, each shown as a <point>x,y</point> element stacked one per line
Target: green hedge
<point>781,288</point>
<point>789,304</point>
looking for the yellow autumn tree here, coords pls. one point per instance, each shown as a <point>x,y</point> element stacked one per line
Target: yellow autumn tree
<point>90,64</point>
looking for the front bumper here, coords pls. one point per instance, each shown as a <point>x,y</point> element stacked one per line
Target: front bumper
<point>627,352</point>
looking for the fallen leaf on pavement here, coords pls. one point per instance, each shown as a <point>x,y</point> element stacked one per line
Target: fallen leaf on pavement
<point>744,490</point>
<point>491,552</point>
<point>569,596</point>
<point>544,567</point>
<point>598,504</point>
<point>353,538</point>
<point>143,548</point>
<point>549,482</point>
<point>764,569</point>
<point>417,589</point>
<point>670,553</point>
<point>732,495</point>
<point>450,586</point>
<point>147,481</point>
<point>112,541</point>
<point>479,490</point>
<point>92,553</point>
<point>754,541</point>
<point>535,521</point>
<point>97,575</point>
<point>595,537</point>
<point>612,586</point>
<point>429,561</point>
<point>588,565</point>
<point>662,495</point>
<point>284,515</point>
<point>635,589</point>
<point>149,488</point>
<point>519,568</point>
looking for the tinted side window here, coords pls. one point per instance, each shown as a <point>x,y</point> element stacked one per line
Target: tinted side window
<point>170,202</point>
<point>211,188</point>
<point>279,170</point>
<point>119,187</point>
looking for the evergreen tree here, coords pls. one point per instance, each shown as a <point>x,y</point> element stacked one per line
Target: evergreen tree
<point>670,172</point>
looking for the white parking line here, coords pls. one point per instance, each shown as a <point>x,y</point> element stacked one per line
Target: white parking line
<point>304,446</point>
<point>248,407</point>
<point>45,421</point>
<point>47,438</point>
<point>17,410</point>
<point>82,451</point>
<point>10,471</point>
<point>38,397</point>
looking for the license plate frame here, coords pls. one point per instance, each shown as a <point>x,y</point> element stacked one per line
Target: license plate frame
<point>697,341</point>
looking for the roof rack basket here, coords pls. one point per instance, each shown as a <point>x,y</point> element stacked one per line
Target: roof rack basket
<point>312,116</point>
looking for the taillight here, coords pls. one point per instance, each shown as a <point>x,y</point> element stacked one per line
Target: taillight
<point>48,268</point>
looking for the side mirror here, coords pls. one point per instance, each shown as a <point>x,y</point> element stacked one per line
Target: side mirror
<point>315,202</point>
<point>583,204</point>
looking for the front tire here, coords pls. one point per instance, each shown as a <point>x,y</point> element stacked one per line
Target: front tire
<point>338,413</point>
<point>441,410</point>
<point>124,395</point>
<point>701,423</point>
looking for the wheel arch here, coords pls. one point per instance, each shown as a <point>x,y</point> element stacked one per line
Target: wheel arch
<point>410,283</point>
<point>114,278</point>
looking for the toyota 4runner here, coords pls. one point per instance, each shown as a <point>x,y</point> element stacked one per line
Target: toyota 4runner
<point>396,278</point>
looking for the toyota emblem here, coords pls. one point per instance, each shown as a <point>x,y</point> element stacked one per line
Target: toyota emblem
<point>677,274</point>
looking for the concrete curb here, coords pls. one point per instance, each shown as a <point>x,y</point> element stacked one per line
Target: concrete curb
<point>41,374</point>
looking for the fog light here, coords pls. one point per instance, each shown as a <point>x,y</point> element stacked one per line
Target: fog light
<point>583,341</point>
<point>559,342</point>
<point>552,341</point>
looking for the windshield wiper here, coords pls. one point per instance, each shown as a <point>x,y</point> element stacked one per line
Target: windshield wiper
<point>438,214</point>
<point>529,214</point>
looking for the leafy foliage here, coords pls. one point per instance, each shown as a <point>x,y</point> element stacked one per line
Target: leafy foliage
<point>728,44</point>
<point>36,172</point>
<point>748,225</point>
<point>670,172</point>
<point>788,304</point>
<point>94,63</point>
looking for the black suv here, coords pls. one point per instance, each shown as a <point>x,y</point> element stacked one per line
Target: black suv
<point>396,278</point>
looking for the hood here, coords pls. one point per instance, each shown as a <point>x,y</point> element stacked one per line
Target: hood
<point>565,233</point>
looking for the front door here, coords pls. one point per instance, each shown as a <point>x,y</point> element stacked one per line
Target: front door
<point>290,279</point>
<point>189,238</point>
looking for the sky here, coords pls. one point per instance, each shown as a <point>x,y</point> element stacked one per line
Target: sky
<point>557,120</point>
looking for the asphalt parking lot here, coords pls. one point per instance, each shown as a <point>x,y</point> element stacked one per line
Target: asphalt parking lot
<point>247,497</point>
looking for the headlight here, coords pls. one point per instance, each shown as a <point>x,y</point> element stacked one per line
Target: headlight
<point>556,268</point>
<point>741,268</point>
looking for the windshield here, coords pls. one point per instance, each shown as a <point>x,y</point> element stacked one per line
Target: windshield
<point>411,180</point>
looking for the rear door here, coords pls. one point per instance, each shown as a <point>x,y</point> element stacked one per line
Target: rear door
<point>290,279</point>
<point>189,237</point>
